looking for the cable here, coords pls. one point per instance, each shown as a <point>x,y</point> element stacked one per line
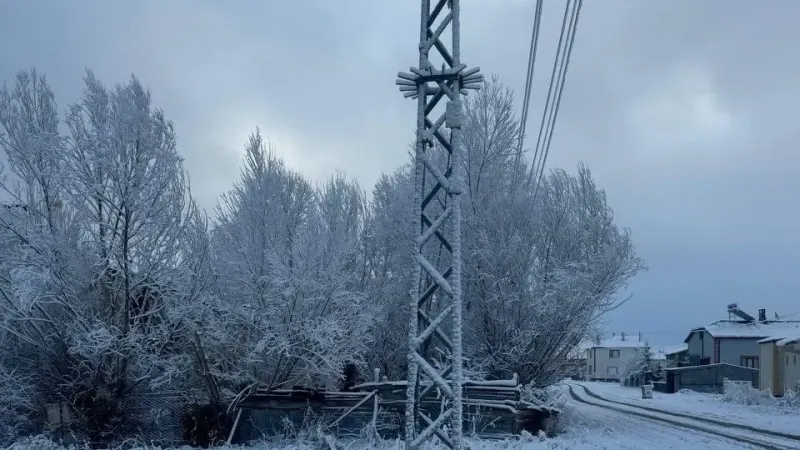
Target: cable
<point>537,20</point>
<point>560,90</point>
<point>549,94</point>
<point>555,92</point>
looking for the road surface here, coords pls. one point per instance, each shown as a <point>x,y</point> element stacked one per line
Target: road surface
<point>609,426</point>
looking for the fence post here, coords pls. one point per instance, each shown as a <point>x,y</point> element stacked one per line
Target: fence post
<point>377,377</point>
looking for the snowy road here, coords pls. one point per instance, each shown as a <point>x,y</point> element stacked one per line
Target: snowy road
<point>613,426</point>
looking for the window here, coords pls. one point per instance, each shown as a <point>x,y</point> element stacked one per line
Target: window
<point>613,353</point>
<point>795,360</point>
<point>612,370</point>
<point>749,361</point>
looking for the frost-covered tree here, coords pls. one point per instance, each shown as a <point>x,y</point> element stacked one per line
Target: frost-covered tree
<point>638,364</point>
<point>95,246</point>
<point>126,182</point>
<point>286,258</point>
<point>538,274</point>
<point>388,265</point>
<point>36,242</point>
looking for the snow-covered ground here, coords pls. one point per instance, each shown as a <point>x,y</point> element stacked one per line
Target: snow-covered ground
<point>593,427</point>
<point>707,406</point>
<point>587,427</point>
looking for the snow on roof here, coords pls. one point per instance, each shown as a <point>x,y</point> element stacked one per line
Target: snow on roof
<point>617,342</point>
<point>672,349</point>
<point>731,329</point>
<point>785,338</point>
<point>663,351</point>
<point>791,339</point>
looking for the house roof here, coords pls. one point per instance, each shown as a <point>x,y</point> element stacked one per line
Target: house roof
<point>672,349</point>
<point>752,330</point>
<point>781,339</point>
<point>617,342</point>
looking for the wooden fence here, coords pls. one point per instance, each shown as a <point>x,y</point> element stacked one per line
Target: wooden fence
<point>492,409</point>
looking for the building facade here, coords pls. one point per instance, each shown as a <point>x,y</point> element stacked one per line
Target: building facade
<point>605,359</point>
<point>780,364</point>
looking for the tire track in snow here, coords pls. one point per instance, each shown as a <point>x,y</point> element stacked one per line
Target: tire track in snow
<point>764,441</point>
<point>779,434</point>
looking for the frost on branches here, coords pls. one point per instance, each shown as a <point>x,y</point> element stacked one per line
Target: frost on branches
<point>93,248</point>
<point>537,276</point>
<point>287,259</point>
<point>638,364</point>
<point>115,285</point>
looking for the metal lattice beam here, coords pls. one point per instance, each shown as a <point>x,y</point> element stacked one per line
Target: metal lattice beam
<point>438,177</point>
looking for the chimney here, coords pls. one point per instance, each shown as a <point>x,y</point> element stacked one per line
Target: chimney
<point>623,336</point>
<point>640,336</point>
<point>597,340</point>
<point>762,315</point>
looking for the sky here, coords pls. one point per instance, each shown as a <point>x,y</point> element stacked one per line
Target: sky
<point>685,111</point>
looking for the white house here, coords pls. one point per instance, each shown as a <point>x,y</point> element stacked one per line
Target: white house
<point>780,363</point>
<point>735,341</point>
<point>604,359</point>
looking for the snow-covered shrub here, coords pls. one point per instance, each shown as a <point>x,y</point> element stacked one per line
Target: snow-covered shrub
<point>555,397</point>
<point>17,405</point>
<point>790,398</point>
<point>743,393</point>
<point>287,260</point>
<point>38,442</point>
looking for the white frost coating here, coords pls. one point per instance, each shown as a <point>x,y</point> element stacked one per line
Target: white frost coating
<point>413,297</point>
<point>455,114</point>
<point>421,239</point>
<point>427,332</point>
<point>455,277</point>
<point>443,284</point>
<point>440,382</point>
<point>453,119</point>
<point>437,173</point>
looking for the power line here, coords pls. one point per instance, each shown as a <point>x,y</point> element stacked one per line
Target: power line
<point>569,28</point>
<point>534,165</point>
<point>537,20</point>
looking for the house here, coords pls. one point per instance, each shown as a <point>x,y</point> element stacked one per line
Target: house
<point>605,358</point>
<point>667,356</point>
<point>675,355</point>
<point>780,363</point>
<point>734,341</point>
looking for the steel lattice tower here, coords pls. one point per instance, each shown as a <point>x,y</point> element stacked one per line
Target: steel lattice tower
<point>437,218</point>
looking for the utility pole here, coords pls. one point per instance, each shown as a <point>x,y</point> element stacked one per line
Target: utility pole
<point>435,305</point>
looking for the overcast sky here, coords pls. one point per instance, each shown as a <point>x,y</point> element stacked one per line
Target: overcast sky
<point>686,112</point>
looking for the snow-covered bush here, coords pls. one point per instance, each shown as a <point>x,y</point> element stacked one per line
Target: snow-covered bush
<point>791,397</point>
<point>743,393</point>
<point>286,258</point>
<point>38,442</point>
<point>637,365</point>
<point>17,404</point>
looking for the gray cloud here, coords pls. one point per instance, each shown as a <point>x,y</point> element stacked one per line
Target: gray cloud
<point>684,110</point>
